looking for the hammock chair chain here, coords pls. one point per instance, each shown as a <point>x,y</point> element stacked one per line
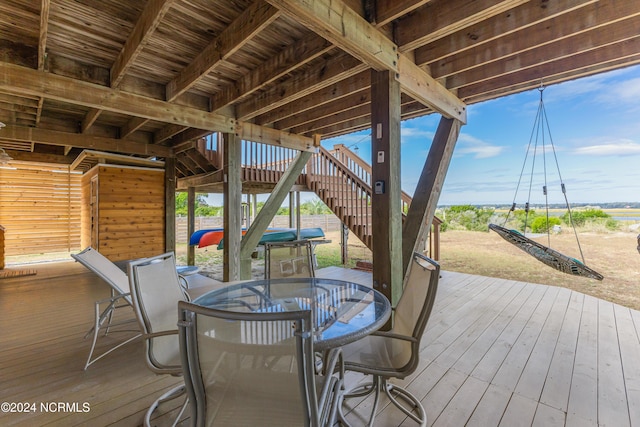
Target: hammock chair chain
<point>543,253</point>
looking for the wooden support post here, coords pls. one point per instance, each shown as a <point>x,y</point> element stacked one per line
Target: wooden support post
<point>344,243</point>
<point>266,214</point>
<point>191,224</point>
<point>425,200</point>
<point>292,210</point>
<point>298,219</point>
<point>386,203</point>
<point>170,204</point>
<point>232,185</point>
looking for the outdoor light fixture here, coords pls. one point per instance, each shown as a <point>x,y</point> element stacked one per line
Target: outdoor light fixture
<point>4,157</point>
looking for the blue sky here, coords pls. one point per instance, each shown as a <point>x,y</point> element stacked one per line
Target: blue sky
<point>594,123</point>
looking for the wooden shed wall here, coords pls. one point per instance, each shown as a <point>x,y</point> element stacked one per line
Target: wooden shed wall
<point>39,208</point>
<point>131,211</point>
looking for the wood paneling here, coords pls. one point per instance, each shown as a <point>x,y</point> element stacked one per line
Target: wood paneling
<point>130,211</point>
<point>40,208</point>
<point>495,352</point>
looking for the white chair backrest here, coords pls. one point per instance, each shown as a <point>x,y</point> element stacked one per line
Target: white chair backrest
<point>105,269</point>
<point>416,302</point>
<point>236,379</point>
<point>156,291</point>
<point>289,259</point>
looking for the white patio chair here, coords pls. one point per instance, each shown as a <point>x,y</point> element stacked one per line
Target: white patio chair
<point>288,259</point>
<point>238,369</point>
<point>120,298</point>
<point>395,353</point>
<point>155,293</point>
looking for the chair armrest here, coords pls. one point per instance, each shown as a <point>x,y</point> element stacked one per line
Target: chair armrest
<point>160,334</point>
<point>113,299</point>
<point>394,336</point>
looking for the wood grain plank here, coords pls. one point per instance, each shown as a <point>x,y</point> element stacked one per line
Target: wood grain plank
<point>612,399</point>
<point>536,369</point>
<point>558,381</point>
<point>511,369</point>
<point>583,395</point>
<point>630,353</point>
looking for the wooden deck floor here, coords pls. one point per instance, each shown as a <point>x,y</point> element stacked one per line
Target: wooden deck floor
<point>496,352</point>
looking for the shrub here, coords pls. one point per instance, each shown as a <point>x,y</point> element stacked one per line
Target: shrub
<point>581,216</point>
<point>466,217</point>
<point>541,225</point>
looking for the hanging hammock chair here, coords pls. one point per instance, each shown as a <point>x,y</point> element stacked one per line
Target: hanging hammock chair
<point>542,253</point>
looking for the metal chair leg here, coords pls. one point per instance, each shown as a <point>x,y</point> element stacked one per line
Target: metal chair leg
<point>169,395</point>
<point>412,407</point>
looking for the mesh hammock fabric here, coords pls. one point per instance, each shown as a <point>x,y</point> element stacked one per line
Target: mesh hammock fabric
<point>546,255</point>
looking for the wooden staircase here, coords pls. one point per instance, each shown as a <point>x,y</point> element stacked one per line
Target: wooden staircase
<point>339,177</point>
<point>343,181</point>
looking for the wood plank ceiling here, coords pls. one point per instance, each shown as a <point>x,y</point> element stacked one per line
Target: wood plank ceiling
<point>140,77</point>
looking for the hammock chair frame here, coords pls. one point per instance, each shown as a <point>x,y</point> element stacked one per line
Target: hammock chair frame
<point>542,253</point>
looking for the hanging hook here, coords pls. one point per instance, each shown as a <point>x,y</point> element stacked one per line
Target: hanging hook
<point>541,87</point>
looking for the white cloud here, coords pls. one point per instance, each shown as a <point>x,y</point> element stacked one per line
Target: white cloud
<point>614,148</point>
<point>470,145</point>
<point>412,132</point>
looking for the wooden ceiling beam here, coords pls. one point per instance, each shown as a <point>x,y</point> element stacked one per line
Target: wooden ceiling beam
<point>200,180</point>
<point>441,18</point>
<point>345,28</point>
<point>579,26</point>
<point>167,132</point>
<point>548,53</point>
<point>240,32</point>
<point>89,119</point>
<point>339,24</point>
<point>347,111</point>
<point>319,124</point>
<point>286,61</point>
<point>586,63</point>
<point>132,125</point>
<point>518,18</point>
<point>48,85</point>
<point>389,10</point>
<point>335,106</point>
<point>310,102</point>
<point>189,135</point>
<point>50,137</point>
<point>94,96</point>
<point>26,156</point>
<point>44,30</point>
<point>149,20</point>
<point>300,85</point>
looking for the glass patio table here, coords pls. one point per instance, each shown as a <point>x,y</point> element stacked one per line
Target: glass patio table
<point>342,311</point>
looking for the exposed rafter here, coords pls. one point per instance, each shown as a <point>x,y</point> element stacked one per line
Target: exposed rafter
<point>255,18</point>
<point>346,29</point>
<point>44,30</point>
<point>94,96</point>
<point>149,20</point>
<point>285,62</point>
<point>439,19</point>
<point>501,25</point>
<point>50,137</point>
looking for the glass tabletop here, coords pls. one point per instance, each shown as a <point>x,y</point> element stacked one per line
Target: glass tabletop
<point>343,312</point>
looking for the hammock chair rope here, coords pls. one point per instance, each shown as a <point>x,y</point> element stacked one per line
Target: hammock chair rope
<point>545,254</point>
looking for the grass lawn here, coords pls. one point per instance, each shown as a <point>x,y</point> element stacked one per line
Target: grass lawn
<point>612,254</point>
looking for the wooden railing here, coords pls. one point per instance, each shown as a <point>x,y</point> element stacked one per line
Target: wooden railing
<point>339,177</point>
<point>343,191</point>
<point>259,162</point>
<point>362,169</point>
<point>359,170</point>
